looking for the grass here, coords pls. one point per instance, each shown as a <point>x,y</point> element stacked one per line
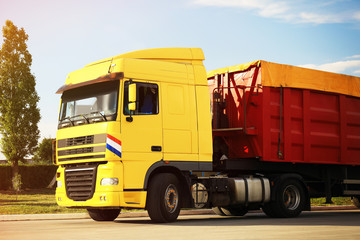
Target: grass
<point>37,201</point>
<point>336,201</point>
<point>40,201</point>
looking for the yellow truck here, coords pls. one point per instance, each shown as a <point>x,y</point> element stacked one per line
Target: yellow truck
<point>111,152</point>
<point>150,129</point>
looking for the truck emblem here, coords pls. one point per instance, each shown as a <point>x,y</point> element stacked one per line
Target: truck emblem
<point>113,144</point>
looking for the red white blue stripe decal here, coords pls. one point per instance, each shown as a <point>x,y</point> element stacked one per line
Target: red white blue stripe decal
<point>113,144</point>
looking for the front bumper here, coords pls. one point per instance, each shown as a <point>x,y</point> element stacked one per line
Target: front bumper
<point>127,199</point>
<point>108,196</point>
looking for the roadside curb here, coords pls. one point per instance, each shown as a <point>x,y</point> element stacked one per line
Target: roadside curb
<point>69,216</point>
<point>35,217</point>
<point>326,208</point>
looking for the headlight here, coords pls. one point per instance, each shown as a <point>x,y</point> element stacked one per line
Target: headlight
<point>59,184</point>
<point>109,181</point>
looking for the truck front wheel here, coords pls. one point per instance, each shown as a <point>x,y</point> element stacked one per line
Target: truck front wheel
<point>163,199</point>
<point>104,214</point>
<point>289,199</point>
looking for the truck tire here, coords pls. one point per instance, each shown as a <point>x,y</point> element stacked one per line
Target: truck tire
<point>355,201</point>
<point>289,200</point>
<point>164,198</point>
<point>104,214</point>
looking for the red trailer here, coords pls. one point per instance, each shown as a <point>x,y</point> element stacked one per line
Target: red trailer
<point>273,118</point>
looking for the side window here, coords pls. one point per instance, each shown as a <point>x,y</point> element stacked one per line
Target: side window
<point>147,99</point>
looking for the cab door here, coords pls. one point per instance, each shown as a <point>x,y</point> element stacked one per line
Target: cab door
<point>142,141</point>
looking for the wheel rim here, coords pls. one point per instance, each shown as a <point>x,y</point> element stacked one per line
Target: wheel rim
<point>291,197</point>
<point>171,198</point>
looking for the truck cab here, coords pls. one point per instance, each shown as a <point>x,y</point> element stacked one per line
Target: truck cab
<point>126,119</point>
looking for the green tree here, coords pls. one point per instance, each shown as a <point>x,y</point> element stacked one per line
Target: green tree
<point>19,114</point>
<point>44,151</point>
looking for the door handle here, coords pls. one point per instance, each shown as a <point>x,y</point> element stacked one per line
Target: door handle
<point>156,148</point>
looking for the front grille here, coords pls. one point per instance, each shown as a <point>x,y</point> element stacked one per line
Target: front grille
<point>80,181</point>
<point>78,146</point>
<point>76,151</point>
<point>83,140</point>
<point>80,141</point>
<point>82,158</point>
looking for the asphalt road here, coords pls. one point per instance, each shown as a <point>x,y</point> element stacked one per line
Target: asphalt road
<point>310,225</point>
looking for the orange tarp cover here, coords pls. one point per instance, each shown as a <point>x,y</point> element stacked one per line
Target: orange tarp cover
<point>276,75</point>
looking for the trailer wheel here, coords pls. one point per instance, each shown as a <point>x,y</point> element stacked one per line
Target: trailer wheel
<point>289,200</point>
<point>164,200</point>
<point>355,201</point>
<point>104,214</point>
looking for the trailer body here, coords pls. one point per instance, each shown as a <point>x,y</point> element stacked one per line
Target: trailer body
<point>288,114</point>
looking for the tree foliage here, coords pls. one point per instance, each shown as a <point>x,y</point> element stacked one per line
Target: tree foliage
<point>19,114</point>
<point>44,151</point>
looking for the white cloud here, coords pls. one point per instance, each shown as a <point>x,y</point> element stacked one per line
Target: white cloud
<point>353,57</point>
<point>290,11</point>
<point>255,4</point>
<point>346,67</point>
<point>308,17</point>
<point>273,9</point>
<point>356,16</point>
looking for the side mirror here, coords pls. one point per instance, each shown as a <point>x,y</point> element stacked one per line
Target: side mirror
<point>132,106</point>
<point>132,96</point>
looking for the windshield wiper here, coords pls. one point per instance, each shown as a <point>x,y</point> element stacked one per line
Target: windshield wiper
<point>87,120</point>
<point>72,117</point>
<point>68,118</point>
<point>102,115</point>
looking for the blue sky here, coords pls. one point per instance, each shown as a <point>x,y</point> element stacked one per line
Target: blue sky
<point>66,35</point>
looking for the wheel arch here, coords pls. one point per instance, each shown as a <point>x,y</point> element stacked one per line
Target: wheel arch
<point>161,167</point>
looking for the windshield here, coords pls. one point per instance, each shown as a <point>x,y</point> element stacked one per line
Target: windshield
<point>89,104</point>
